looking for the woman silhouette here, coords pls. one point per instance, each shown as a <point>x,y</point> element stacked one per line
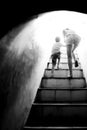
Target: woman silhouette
<point>72,40</point>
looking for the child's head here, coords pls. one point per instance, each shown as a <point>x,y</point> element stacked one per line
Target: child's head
<point>57,39</point>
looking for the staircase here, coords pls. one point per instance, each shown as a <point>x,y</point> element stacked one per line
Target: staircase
<point>60,103</point>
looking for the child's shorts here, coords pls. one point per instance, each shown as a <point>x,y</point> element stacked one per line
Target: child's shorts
<point>55,57</point>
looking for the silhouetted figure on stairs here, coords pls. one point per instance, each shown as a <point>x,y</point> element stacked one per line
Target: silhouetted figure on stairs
<point>72,40</point>
<point>56,53</point>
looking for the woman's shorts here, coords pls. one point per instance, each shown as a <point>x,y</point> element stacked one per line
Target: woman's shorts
<point>73,39</point>
<point>55,57</point>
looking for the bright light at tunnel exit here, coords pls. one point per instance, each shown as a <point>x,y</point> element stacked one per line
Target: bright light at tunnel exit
<point>47,26</point>
<point>50,25</point>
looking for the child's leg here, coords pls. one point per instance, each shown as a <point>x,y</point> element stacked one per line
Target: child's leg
<point>58,60</point>
<point>53,63</point>
<point>58,63</point>
<point>47,65</point>
<point>52,68</point>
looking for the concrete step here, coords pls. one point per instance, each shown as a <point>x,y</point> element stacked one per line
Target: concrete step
<point>61,95</point>
<point>64,66</point>
<point>53,128</point>
<point>63,82</point>
<point>64,55</point>
<point>63,73</point>
<point>63,50</point>
<point>51,114</point>
<point>64,60</point>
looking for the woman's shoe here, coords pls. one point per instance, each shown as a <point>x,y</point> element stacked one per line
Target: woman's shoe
<point>76,63</point>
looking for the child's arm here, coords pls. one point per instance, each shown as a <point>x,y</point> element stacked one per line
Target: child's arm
<point>63,45</point>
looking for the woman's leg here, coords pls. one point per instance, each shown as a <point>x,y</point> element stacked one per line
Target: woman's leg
<point>73,48</point>
<point>69,54</point>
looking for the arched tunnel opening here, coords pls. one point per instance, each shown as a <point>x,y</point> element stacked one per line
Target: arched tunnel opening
<point>24,54</point>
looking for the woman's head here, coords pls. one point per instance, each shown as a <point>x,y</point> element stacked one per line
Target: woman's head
<point>67,31</point>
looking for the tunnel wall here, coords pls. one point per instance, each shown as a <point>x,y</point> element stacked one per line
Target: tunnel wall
<point>20,78</point>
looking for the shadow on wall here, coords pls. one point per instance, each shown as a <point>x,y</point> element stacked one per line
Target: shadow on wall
<point>19,80</point>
